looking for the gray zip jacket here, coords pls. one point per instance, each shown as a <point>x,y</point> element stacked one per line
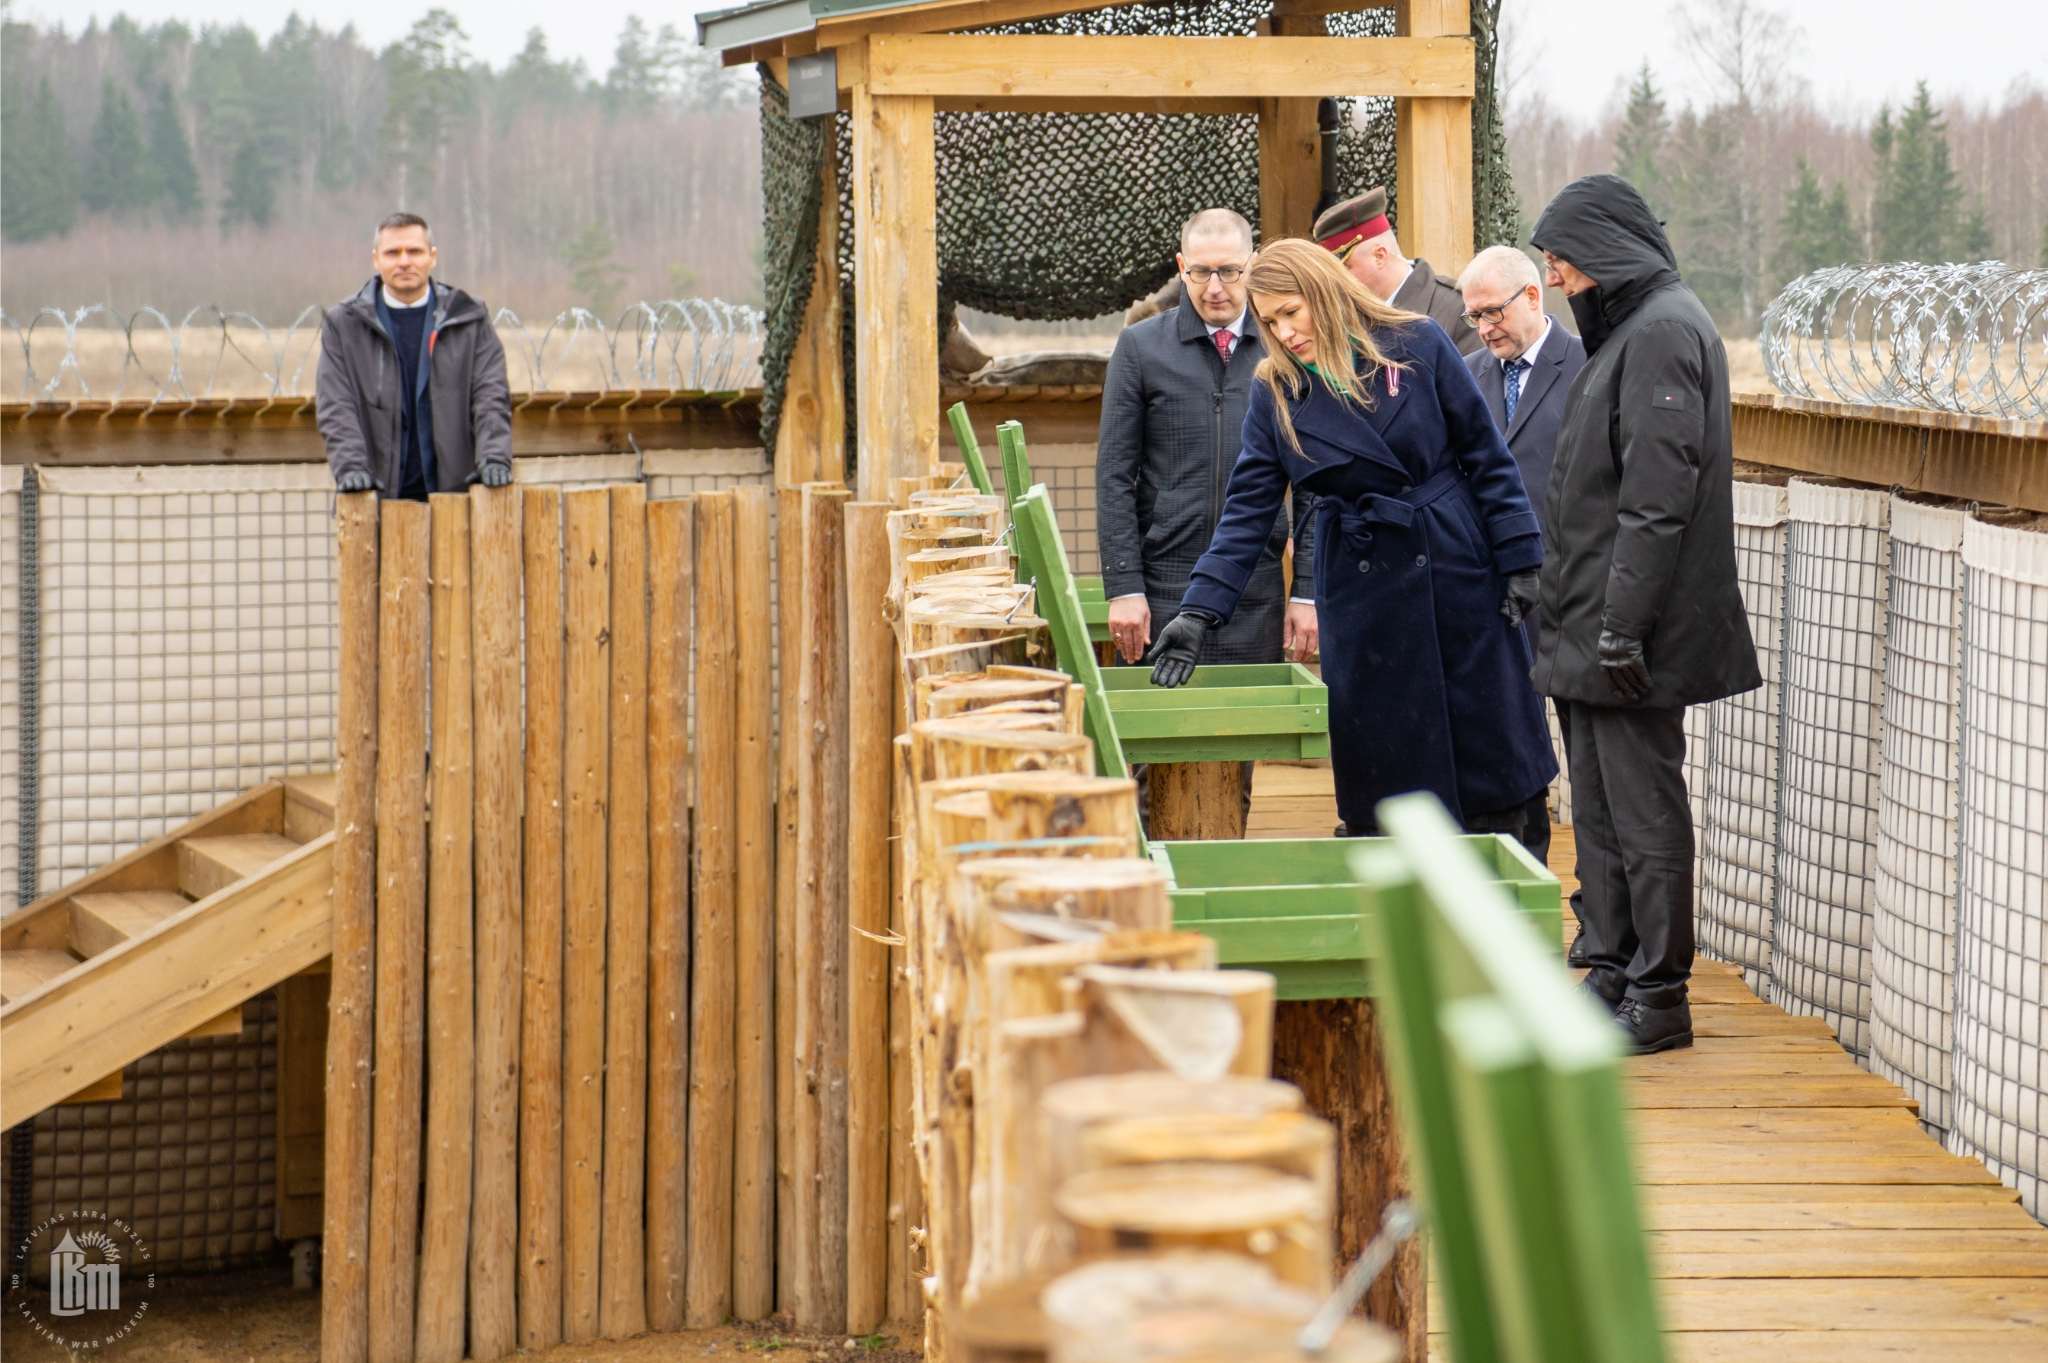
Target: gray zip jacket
<point>360,402</point>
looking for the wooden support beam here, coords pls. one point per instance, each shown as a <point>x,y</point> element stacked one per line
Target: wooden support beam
<point>810,442</point>
<point>1433,146</point>
<point>896,344</point>
<point>494,525</point>
<point>301,1102</point>
<point>753,1214</point>
<point>670,568</point>
<point>939,16</point>
<point>1152,67</point>
<point>540,1013</point>
<point>871,696</point>
<point>623,1312</point>
<point>988,103</point>
<point>789,607</point>
<point>1290,168</point>
<point>345,1271</point>
<point>403,584</point>
<point>708,1288</point>
<point>821,931</point>
<point>587,559</point>
<point>451,954</point>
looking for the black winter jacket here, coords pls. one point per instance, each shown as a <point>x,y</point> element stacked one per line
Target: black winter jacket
<point>1639,522</point>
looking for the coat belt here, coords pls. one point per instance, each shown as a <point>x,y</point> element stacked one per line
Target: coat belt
<point>1398,510</point>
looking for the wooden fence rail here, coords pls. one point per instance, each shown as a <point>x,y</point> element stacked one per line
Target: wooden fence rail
<point>593,928</point>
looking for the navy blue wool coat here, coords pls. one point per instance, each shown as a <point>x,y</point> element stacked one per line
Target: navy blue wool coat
<point>1429,685</point>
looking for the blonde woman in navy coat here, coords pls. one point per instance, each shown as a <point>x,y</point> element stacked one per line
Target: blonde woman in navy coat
<point>1426,548</point>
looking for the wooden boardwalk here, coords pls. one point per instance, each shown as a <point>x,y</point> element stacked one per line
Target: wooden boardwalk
<point>1798,1213</point>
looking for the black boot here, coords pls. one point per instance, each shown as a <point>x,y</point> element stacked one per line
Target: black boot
<point>1651,1030</point>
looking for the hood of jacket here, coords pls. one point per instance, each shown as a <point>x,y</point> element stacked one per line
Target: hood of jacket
<point>450,303</point>
<point>1601,225</point>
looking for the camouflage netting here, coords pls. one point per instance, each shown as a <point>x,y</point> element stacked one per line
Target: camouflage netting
<point>1050,217</point>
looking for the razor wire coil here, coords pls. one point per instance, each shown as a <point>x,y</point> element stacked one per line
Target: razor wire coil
<point>1971,339</point>
<point>677,345</point>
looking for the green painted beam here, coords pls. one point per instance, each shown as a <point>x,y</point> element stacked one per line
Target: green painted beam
<point>970,449</point>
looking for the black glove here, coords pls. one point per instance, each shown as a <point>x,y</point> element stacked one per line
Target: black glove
<point>1621,662</point>
<point>1524,591</point>
<point>495,475</point>
<point>1179,647</point>
<point>355,480</point>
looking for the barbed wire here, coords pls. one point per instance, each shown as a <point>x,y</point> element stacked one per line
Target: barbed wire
<point>678,344</point>
<point>1951,338</point>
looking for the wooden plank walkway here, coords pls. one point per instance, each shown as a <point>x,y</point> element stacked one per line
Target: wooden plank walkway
<point>1797,1211</point>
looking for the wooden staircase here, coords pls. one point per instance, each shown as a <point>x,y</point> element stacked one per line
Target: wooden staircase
<point>166,942</point>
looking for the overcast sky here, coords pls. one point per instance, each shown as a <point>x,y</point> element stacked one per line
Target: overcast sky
<point>1855,53</point>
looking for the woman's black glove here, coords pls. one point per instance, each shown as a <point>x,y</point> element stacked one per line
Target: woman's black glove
<point>355,480</point>
<point>1621,662</point>
<point>1179,647</point>
<point>1525,589</point>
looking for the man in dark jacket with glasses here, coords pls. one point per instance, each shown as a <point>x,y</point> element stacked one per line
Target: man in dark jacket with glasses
<point>1641,612</point>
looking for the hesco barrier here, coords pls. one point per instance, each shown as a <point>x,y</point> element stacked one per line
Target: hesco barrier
<point>1835,561</point>
<point>2001,952</point>
<point>1912,946</point>
<point>1739,836</point>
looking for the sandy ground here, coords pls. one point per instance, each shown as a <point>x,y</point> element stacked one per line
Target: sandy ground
<point>256,1316</point>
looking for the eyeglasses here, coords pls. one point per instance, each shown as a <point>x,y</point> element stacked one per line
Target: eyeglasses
<point>1491,316</point>
<point>1202,274</point>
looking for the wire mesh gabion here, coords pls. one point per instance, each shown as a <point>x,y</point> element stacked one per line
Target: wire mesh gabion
<point>2000,1112</point>
<point>1836,555</point>
<point>1912,943</point>
<point>1698,737</point>
<point>1954,338</point>
<point>1739,830</point>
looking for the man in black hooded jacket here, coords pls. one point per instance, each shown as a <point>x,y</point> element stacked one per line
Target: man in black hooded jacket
<point>1641,613</point>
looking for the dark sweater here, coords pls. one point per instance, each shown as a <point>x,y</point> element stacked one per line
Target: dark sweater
<point>409,334</point>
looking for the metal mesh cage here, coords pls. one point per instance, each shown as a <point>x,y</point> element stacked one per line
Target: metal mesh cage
<point>2001,978</point>
<point>10,687</point>
<point>1739,838</point>
<point>1912,944</point>
<point>1698,746</point>
<point>1836,556</point>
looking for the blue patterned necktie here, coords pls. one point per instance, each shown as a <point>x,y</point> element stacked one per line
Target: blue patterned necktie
<point>1512,378</point>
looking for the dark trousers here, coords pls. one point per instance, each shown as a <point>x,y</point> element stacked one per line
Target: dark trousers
<point>1527,823</point>
<point>1634,834</point>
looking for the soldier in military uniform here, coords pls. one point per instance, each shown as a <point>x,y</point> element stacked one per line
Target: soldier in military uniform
<point>1358,232</point>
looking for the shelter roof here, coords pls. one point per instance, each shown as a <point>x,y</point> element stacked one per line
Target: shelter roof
<point>768,21</point>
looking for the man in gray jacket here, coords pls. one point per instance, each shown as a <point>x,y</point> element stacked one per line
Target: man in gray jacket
<point>411,395</point>
<point>1173,404</point>
<point>1641,612</point>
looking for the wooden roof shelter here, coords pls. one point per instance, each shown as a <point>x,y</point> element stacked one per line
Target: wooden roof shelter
<point>897,65</point>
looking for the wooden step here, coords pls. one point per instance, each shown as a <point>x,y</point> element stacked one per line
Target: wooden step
<point>208,865</point>
<point>103,921</point>
<point>308,806</point>
<point>25,971</point>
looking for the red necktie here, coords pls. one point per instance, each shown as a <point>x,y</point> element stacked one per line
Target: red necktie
<point>1224,338</point>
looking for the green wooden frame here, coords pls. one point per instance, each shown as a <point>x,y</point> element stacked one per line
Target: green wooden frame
<point>1094,607</point>
<point>970,449</point>
<point>1289,906</point>
<point>1506,1080</point>
<point>1016,485</point>
<point>1038,536</point>
<point>1255,712</point>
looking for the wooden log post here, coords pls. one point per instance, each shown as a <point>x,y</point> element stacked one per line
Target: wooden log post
<point>451,953</point>
<point>1196,800</point>
<point>754,1155</point>
<point>623,1309</point>
<point>871,657</point>
<point>402,615</point>
<point>821,923</point>
<point>670,567</point>
<point>810,442</point>
<point>789,614</point>
<point>587,559</point>
<point>708,1287</point>
<point>1331,1048</point>
<point>345,1278</point>
<point>1433,151</point>
<point>1290,152</point>
<point>494,649</point>
<point>906,1185</point>
<point>540,1014</point>
<point>896,340</point>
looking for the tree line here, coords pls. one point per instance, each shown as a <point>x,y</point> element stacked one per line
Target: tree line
<point>537,174</point>
<point>1760,185</point>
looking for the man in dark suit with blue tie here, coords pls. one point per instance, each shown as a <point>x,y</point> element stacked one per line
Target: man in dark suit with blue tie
<point>1525,371</point>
